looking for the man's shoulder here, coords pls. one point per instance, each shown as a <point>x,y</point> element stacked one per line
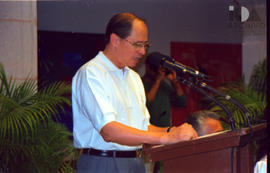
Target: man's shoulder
<point>93,67</point>
<point>96,63</point>
<point>134,74</point>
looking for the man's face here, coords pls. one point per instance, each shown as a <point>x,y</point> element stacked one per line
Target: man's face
<point>210,126</point>
<point>133,48</point>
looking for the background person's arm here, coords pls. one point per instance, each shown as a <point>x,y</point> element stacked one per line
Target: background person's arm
<point>172,76</point>
<point>151,94</point>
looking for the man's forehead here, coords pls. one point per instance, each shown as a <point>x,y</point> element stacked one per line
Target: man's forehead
<point>139,31</point>
<point>210,120</point>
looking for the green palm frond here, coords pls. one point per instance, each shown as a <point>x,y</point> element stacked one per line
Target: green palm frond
<point>52,96</point>
<point>19,116</point>
<point>257,79</point>
<point>27,132</point>
<point>248,98</point>
<point>22,92</point>
<point>251,96</point>
<point>54,144</point>
<point>46,151</point>
<point>6,86</point>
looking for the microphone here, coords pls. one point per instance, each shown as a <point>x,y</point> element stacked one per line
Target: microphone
<point>157,59</point>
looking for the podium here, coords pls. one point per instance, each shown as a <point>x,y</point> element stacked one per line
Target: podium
<point>222,152</point>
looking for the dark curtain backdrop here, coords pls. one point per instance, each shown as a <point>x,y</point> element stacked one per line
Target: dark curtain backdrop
<point>60,54</point>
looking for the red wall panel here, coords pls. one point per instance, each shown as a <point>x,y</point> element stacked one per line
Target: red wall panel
<point>222,61</point>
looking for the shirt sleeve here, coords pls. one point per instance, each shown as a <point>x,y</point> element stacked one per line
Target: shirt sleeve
<point>145,88</point>
<point>94,100</point>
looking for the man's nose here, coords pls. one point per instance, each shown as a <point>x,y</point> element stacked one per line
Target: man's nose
<point>143,50</point>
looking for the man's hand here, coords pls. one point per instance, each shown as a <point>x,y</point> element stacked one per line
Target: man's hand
<point>161,73</point>
<point>181,133</point>
<point>172,76</point>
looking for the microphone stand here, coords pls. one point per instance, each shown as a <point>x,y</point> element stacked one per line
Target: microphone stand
<point>197,85</point>
<point>235,102</point>
<point>201,91</point>
<point>228,98</point>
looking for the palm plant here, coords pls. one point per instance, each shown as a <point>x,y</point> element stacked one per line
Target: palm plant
<point>257,79</point>
<point>30,141</point>
<point>251,96</point>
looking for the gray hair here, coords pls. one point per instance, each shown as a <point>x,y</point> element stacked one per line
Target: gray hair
<point>197,119</point>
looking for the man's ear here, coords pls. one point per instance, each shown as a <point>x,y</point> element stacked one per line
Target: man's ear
<point>115,39</point>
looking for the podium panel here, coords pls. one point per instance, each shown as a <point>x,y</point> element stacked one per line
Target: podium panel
<point>215,161</point>
<point>222,152</point>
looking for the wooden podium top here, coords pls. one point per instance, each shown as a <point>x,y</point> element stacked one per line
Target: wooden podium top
<point>212,142</point>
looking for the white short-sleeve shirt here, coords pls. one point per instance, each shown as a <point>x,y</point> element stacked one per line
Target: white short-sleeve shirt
<point>102,93</point>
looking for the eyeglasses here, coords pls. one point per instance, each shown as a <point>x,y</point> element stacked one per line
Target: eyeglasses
<point>140,44</point>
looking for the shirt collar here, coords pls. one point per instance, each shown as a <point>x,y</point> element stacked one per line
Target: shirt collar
<point>110,66</point>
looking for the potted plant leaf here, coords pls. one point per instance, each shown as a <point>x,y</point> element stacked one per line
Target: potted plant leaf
<point>252,96</point>
<point>30,139</point>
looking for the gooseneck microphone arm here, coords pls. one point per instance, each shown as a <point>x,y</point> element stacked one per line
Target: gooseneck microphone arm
<point>228,98</point>
<point>221,105</point>
<point>235,102</point>
<point>159,59</point>
<point>181,68</point>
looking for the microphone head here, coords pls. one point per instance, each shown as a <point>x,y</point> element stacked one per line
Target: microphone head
<point>156,59</point>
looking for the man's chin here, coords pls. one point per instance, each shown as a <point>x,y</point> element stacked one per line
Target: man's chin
<point>133,64</point>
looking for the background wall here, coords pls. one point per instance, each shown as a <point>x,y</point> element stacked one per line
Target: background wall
<point>18,39</point>
<point>205,21</point>
<point>167,20</point>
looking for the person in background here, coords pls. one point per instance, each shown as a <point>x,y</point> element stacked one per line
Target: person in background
<point>110,117</point>
<point>205,122</point>
<point>163,90</point>
<point>261,165</point>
